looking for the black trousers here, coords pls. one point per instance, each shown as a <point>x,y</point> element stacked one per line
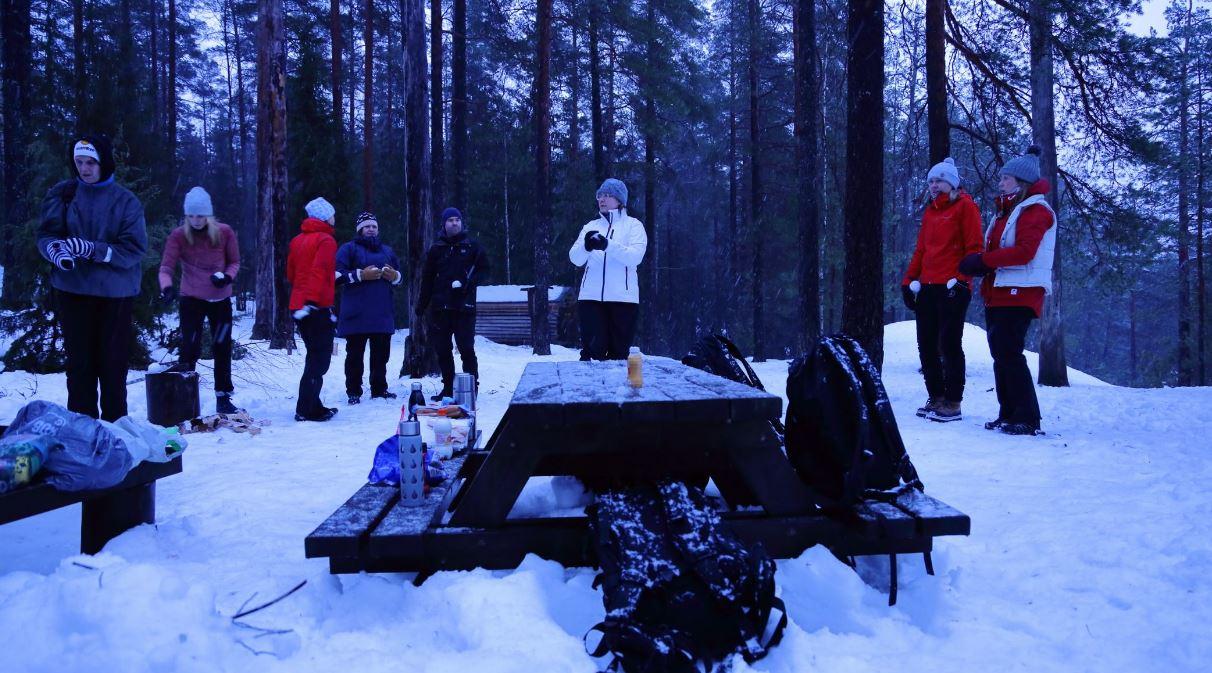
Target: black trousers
<point>1007,328</point>
<point>97,337</point>
<point>940,340</point>
<point>355,351</point>
<point>607,329</point>
<point>193,312</point>
<point>317,331</point>
<point>462,326</point>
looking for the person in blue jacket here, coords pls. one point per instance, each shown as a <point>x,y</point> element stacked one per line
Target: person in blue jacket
<point>367,270</point>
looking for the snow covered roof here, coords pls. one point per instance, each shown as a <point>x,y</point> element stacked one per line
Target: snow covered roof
<point>494,294</point>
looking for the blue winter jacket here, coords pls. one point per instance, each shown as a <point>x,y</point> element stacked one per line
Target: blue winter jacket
<point>111,217</point>
<point>366,305</point>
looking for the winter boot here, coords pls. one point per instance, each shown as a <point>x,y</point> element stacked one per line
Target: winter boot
<point>1020,429</point>
<point>325,414</point>
<point>946,412</point>
<point>446,392</point>
<point>385,395</point>
<point>223,404</point>
<point>354,399</point>
<point>930,405</point>
<point>995,424</point>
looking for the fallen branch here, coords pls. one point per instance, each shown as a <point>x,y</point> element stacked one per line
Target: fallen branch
<point>245,613</point>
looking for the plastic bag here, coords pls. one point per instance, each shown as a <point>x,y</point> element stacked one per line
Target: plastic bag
<point>21,456</point>
<point>386,466</point>
<point>89,455</point>
<point>155,440</point>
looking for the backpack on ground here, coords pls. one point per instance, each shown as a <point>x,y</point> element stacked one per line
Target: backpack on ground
<point>716,354</point>
<point>841,434</point>
<point>682,594</point>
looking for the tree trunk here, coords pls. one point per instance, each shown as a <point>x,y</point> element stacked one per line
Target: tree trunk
<point>17,66</point>
<point>732,277</point>
<point>336,39</point>
<point>458,102</point>
<point>273,312</point>
<point>863,286</point>
<point>1200,286</point>
<point>756,225</point>
<point>1132,337</point>
<point>153,14</point>
<point>368,100</point>
<point>225,9</point>
<point>419,357</point>
<point>248,206</point>
<point>658,318</point>
<point>1052,369</point>
<point>936,82</point>
<point>595,95</point>
<point>807,106</point>
<point>78,63</point>
<point>542,228</point>
<point>171,90</point>
<point>436,122</point>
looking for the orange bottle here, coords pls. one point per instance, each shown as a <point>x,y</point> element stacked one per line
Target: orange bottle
<point>635,368</point>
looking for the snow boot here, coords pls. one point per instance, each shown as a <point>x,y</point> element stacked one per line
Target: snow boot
<point>446,392</point>
<point>995,424</point>
<point>223,404</point>
<point>354,399</point>
<point>325,414</point>
<point>930,405</point>
<point>385,395</point>
<point>1020,429</point>
<point>946,412</point>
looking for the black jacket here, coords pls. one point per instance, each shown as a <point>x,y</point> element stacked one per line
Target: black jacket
<point>453,258</point>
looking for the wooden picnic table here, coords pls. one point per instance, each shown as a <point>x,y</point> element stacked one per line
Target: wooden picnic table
<point>583,419</point>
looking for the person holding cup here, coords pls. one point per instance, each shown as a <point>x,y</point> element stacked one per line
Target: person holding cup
<point>367,271</point>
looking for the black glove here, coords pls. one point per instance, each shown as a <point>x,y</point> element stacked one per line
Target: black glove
<point>909,297</point>
<point>974,265</point>
<point>168,294</point>
<point>220,279</point>
<point>960,289</point>
<point>594,240</point>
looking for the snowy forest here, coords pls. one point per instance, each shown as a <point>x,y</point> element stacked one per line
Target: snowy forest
<point>776,150</point>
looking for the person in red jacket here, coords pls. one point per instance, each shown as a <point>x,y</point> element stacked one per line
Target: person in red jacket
<point>311,270</point>
<point>1017,270</point>
<point>938,294</point>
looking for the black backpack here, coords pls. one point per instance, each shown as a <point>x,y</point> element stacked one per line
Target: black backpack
<point>716,354</point>
<point>682,594</point>
<point>841,435</point>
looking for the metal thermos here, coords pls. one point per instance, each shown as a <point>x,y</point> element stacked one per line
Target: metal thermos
<point>465,396</point>
<point>412,464</point>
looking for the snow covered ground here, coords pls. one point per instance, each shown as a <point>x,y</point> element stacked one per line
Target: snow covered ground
<point>1090,548</point>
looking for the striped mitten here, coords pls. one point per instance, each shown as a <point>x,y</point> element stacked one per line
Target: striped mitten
<point>60,256</point>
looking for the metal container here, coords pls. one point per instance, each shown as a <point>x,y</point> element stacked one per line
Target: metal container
<point>412,464</point>
<point>465,391</point>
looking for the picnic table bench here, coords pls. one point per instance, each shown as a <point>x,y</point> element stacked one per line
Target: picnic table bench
<point>105,513</point>
<point>582,419</point>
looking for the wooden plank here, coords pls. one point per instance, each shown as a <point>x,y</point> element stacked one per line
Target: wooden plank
<point>757,457</point>
<point>41,497</point>
<point>934,517</point>
<point>491,493</point>
<point>881,519</point>
<point>344,532</point>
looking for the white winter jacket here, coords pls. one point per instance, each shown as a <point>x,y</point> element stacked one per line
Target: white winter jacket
<point>1038,271</point>
<point>610,274</point>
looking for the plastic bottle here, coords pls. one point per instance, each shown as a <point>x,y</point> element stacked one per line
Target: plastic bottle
<point>415,399</point>
<point>635,367</point>
<point>412,464</point>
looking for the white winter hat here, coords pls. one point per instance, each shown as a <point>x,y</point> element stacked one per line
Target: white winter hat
<point>197,202</point>
<point>320,209</point>
<point>945,170</point>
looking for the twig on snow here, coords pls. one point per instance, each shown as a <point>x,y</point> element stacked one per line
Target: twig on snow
<point>245,613</point>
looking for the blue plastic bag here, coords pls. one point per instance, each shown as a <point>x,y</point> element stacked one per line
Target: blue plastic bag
<point>88,456</point>
<point>386,466</point>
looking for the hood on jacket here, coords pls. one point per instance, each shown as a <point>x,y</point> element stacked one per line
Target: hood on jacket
<point>945,201</point>
<point>1038,188</point>
<point>453,240</point>
<point>105,150</point>
<point>312,225</point>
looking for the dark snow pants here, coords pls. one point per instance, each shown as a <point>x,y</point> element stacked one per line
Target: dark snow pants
<point>1007,329</point>
<point>97,337</point>
<point>355,351</point>
<point>607,329</point>
<point>940,340</point>
<point>193,312</point>
<point>317,330</point>
<point>462,326</point>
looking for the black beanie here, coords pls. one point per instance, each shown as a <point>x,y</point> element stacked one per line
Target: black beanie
<point>105,152</point>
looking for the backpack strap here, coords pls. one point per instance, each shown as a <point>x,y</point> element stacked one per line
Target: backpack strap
<point>735,352</point>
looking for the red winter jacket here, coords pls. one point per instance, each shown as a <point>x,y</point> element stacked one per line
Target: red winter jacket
<point>1032,224</point>
<point>311,265</point>
<point>951,229</point>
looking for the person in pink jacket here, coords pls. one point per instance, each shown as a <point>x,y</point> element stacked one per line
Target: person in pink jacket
<point>210,259</point>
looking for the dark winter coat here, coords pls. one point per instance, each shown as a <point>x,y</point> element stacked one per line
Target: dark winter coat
<point>452,258</point>
<point>366,305</point>
<point>951,230</point>
<point>110,216</point>
<point>1033,223</point>
<point>311,265</point>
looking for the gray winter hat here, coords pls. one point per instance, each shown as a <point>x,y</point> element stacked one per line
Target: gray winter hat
<point>197,202</point>
<point>614,187</point>
<point>945,170</point>
<point>1026,167</point>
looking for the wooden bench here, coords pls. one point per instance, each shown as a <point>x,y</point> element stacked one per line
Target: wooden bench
<point>571,419</point>
<point>105,514</point>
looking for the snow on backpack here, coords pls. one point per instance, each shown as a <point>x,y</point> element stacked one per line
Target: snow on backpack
<point>682,594</point>
<point>716,354</point>
<point>841,434</point>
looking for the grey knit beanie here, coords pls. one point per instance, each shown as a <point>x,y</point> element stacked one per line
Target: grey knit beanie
<point>197,202</point>
<point>1026,167</point>
<point>945,170</point>
<point>614,187</point>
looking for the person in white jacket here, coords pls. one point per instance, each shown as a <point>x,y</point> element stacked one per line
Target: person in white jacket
<point>609,249</point>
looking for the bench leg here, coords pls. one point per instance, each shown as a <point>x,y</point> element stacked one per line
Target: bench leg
<point>892,583</point>
<point>102,519</point>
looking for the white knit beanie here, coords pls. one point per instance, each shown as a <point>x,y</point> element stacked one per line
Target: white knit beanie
<point>945,170</point>
<point>320,209</point>
<point>197,202</point>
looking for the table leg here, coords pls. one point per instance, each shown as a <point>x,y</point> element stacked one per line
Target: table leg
<point>757,457</point>
<point>491,493</point>
<point>104,518</point>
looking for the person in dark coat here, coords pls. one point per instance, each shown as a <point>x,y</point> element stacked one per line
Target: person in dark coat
<point>367,270</point>
<point>453,267</point>
<point>93,233</point>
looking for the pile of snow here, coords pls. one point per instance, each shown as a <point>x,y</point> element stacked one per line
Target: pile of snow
<point>1090,547</point>
<point>497,294</point>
